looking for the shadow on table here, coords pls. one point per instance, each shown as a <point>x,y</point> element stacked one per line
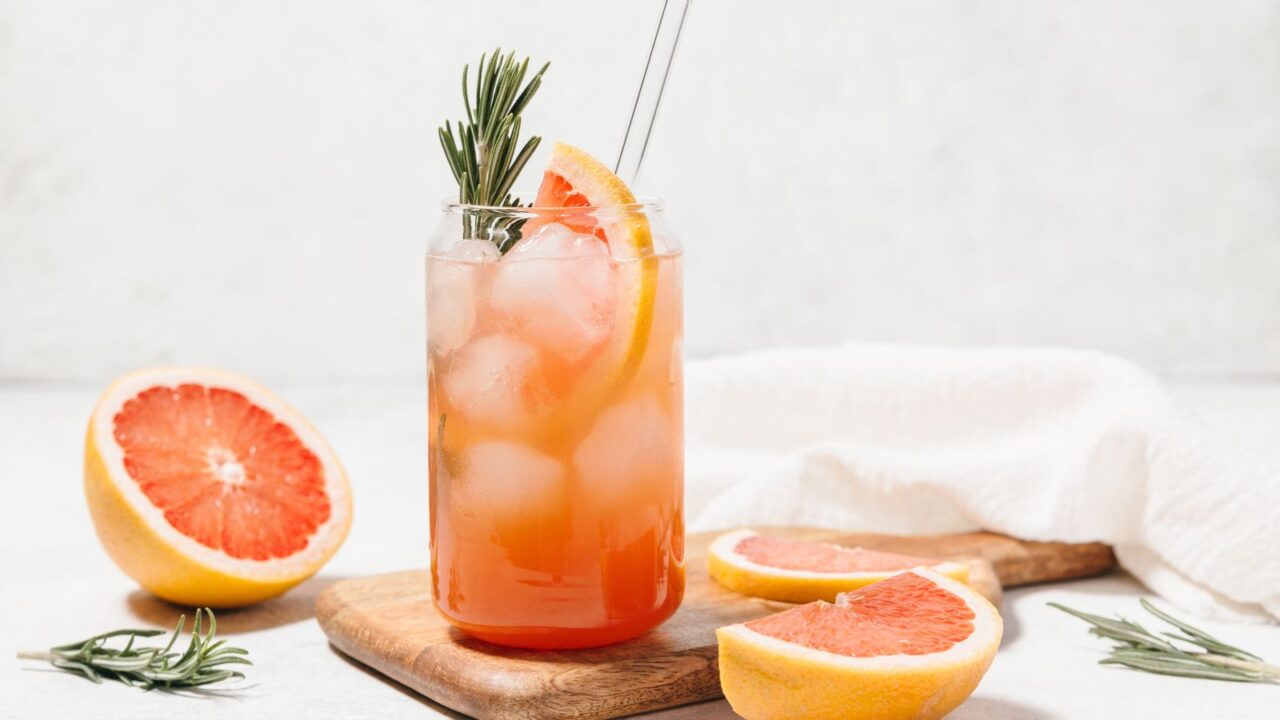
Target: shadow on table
<point>986,708</point>
<point>236,693</point>
<point>975,708</point>
<point>404,689</point>
<point>297,605</point>
<point>709,710</point>
<point>1116,581</point>
<point>1012,627</point>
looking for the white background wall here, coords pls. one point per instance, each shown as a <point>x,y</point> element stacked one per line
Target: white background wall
<point>250,184</point>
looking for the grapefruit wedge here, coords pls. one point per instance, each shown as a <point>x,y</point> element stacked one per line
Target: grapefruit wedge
<point>800,571</point>
<point>913,646</point>
<point>580,192</point>
<point>583,194</point>
<point>208,489</point>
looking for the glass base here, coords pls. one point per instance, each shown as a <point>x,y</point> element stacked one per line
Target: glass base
<point>549,638</point>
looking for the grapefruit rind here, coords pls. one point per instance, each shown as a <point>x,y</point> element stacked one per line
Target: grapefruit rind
<point>765,678</point>
<point>166,562</point>
<point>737,573</point>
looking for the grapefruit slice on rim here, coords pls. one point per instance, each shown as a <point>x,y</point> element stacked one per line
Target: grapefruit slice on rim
<point>913,646</point>
<point>801,571</point>
<point>208,489</point>
<point>581,193</point>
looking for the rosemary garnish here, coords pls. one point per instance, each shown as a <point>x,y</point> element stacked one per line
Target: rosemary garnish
<point>1141,649</point>
<point>150,667</point>
<point>482,152</point>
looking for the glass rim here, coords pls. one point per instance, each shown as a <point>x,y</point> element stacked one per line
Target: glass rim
<point>643,202</point>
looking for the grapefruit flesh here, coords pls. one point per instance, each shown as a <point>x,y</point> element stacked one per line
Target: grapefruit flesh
<point>557,192</point>
<point>801,571</point>
<point>224,472</point>
<point>910,616</point>
<point>915,645</point>
<point>209,490</point>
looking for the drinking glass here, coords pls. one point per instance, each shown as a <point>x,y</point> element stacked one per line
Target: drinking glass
<point>555,385</point>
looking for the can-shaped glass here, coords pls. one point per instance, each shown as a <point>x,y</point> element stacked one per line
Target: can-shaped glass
<point>555,394</point>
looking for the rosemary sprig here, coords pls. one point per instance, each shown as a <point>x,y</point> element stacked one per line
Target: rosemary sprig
<point>482,152</point>
<point>202,663</point>
<point>1140,649</point>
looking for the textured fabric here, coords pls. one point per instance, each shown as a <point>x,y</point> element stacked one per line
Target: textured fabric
<point>1042,444</point>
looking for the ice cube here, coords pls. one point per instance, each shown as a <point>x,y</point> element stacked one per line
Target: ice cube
<point>508,482</point>
<point>617,223</point>
<point>631,444</point>
<point>474,251</point>
<point>453,292</point>
<point>497,381</point>
<point>557,289</point>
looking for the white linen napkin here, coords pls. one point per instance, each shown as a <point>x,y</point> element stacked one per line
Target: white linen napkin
<point>1042,444</point>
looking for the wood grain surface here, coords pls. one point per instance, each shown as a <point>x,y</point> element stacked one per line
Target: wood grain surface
<point>389,623</point>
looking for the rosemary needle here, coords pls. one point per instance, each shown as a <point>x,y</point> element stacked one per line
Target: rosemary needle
<point>1141,649</point>
<point>484,153</point>
<point>204,661</point>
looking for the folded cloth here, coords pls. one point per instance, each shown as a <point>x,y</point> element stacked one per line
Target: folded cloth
<point>1042,444</point>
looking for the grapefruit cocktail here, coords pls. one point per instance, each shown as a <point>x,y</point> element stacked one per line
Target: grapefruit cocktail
<point>555,386</point>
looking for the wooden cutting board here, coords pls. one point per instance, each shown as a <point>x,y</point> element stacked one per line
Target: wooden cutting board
<point>389,623</point>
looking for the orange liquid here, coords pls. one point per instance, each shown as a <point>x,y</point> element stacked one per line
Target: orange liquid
<point>556,474</point>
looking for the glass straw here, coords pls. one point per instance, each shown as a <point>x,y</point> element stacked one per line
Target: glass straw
<point>649,96</point>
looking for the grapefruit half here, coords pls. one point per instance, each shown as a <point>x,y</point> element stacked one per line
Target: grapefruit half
<point>913,646</point>
<point>801,571</point>
<point>208,489</point>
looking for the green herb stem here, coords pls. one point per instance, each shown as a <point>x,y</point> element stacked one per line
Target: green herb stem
<point>482,152</point>
<point>1140,649</point>
<point>202,663</point>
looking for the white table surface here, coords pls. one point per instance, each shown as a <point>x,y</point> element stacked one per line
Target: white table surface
<point>57,585</point>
